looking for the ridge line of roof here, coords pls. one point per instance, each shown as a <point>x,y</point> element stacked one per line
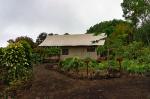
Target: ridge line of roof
<point>77,34</point>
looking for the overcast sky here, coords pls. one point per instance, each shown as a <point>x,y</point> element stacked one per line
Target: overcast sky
<point>31,17</point>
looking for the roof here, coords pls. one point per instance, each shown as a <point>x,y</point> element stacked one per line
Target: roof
<point>74,40</point>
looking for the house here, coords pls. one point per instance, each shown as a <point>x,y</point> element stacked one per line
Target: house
<point>81,45</point>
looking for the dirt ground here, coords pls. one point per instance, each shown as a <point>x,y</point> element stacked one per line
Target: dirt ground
<point>49,84</point>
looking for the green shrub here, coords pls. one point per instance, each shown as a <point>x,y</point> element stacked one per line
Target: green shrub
<point>133,66</point>
<point>144,56</point>
<point>28,53</point>
<point>103,66</point>
<point>17,62</point>
<point>38,55</point>
<point>112,64</point>
<point>1,56</point>
<point>37,58</point>
<point>133,50</point>
<point>52,51</point>
<point>93,63</point>
<point>71,64</point>
<point>102,50</point>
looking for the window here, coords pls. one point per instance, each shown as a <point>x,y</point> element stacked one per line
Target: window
<point>91,49</point>
<point>65,51</point>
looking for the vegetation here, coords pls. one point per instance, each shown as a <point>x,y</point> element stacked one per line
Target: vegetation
<point>71,64</point>
<point>127,48</point>
<point>136,10</point>
<point>41,38</point>
<point>107,27</point>
<point>23,38</point>
<point>15,66</point>
<point>127,41</point>
<point>52,51</point>
<point>17,62</point>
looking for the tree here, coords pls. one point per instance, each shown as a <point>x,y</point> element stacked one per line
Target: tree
<point>50,34</point>
<point>11,41</point>
<point>66,34</point>
<point>143,33</point>
<point>107,27</point>
<point>27,39</point>
<point>41,38</point>
<point>136,11</point>
<point>23,38</point>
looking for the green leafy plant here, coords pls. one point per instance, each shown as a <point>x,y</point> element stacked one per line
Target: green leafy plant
<point>71,64</point>
<point>17,61</point>
<point>52,51</point>
<point>133,66</point>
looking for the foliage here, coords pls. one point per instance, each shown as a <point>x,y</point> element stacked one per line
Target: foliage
<point>133,66</point>
<point>52,51</point>
<point>112,64</point>
<point>37,58</point>
<point>107,27</point>
<point>41,38</point>
<point>143,33</point>
<point>17,61</point>
<point>66,34</point>
<point>133,50</point>
<point>71,64</point>
<point>136,10</point>
<point>23,38</point>
<point>2,72</point>
<point>93,64</point>
<point>1,56</point>
<point>11,41</point>
<point>103,66</point>
<point>28,52</point>
<point>102,50</point>
<point>144,55</point>
<point>40,53</point>
<point>27,39</point>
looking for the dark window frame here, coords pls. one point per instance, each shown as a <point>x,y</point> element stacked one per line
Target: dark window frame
<point>91,49</point>
<point>65,51</point>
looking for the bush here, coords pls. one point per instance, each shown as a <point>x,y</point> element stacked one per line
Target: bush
<point>133,66</point>
<point>102,50</point>
<point>71,64</point>
<point>76,63</point>
<point>28,53</point>
<point>93,63</point>
<point>1,56</point>
<point>38,55</point>
<point>144,56</point>
<point>2,70</point>
<point>52,51</point>
<point>37,58</point>
<point>133,50</point>
<point>17,61</point>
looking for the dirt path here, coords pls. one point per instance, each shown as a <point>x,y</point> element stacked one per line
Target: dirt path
<point>53,85</point>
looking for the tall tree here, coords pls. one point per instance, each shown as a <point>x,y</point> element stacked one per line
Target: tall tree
<point>143,33</point>
<point>107,27</point>
<point>11,41</point>
<point>27,39</point>
<point>41,38</point>
<point>136,11</point>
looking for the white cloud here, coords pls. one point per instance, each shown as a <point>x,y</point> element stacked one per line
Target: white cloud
<point>31,17</point>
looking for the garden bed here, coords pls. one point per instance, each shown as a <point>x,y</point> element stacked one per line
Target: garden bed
<point>82,74</point>
<point>50,84</point>
<point>98,75</point>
